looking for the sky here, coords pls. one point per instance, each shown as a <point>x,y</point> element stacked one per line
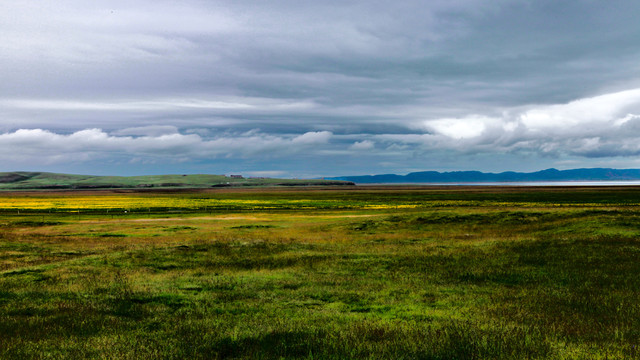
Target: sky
<point>300,89</point>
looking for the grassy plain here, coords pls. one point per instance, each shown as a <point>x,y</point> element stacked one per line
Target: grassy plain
<point>22,180</point>
<point>373,272</point>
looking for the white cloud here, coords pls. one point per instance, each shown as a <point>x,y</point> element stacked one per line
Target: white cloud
<point>469,127</point>
<point>309,138</point>
<point>603,109</point>
<point>600,126</point>
<point>362,145</point>
<point>46,147</point>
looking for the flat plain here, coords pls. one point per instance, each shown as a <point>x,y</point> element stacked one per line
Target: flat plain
<point>370,272</point>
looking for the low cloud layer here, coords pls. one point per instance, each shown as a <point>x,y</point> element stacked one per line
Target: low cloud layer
<point>605,126</point>
<point>307,88</point>
<point>43,146</point>
<point>601,126</point>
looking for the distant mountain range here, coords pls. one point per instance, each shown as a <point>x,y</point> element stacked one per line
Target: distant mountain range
<point>595,174</point>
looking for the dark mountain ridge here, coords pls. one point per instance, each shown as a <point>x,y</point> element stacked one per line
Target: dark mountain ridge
<point>591,174</point>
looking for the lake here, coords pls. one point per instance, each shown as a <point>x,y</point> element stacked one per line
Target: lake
<point>520,183</point>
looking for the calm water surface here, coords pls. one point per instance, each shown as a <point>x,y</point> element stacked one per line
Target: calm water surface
<point>525,183</point>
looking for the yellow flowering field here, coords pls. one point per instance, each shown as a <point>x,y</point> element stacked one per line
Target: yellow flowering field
<point>271,199</point>
<point>133,202</point>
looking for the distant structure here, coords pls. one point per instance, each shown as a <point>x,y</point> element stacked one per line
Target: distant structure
<point>236,176</point>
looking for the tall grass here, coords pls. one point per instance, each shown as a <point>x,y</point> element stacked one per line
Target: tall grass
<point>472,282</point>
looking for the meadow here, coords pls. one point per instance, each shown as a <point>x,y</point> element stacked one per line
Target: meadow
<point>321,273</point>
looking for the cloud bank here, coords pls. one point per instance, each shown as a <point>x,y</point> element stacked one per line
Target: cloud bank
<point>38,145</point>
<point>601,126</point>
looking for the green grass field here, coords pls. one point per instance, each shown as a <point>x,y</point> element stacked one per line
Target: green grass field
<point>369,273</point>
<point>22,180</point>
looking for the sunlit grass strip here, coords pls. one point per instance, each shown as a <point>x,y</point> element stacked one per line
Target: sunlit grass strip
<point>386,206</point>
<point>131,202</point>
<point>126,202</point>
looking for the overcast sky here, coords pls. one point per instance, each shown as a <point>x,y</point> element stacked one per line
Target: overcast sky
<point>318,88</point>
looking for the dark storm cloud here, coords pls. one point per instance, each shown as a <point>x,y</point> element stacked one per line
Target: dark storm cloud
<point>394,86</point>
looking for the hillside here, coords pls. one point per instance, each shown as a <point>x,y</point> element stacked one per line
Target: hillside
<point>596,174</point>
<point>51,181</point>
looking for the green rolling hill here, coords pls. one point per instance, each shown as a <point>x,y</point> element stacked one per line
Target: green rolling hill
<point>22,180</point>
